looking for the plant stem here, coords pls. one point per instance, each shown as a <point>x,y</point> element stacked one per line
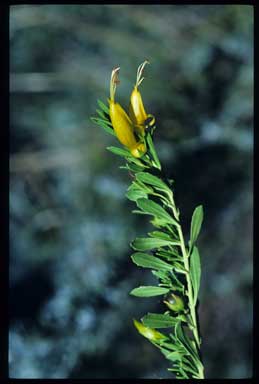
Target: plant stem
<point>189,284</point>
<point>194,327</point>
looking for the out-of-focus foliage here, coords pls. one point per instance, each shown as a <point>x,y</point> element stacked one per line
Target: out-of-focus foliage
<point>70,224</point>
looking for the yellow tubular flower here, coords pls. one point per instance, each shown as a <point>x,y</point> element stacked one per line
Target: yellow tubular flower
<point>147,332</point>
<point>121,122</point>
<point>136,109</point>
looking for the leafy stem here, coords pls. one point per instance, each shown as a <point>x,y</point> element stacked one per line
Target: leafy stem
<point>189,293</point>
<point>176,266</point>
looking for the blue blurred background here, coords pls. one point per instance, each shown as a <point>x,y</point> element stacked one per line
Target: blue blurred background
<point>70,223</point>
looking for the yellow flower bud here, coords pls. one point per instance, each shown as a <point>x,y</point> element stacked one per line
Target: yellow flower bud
<point>122,124</point>
<point>137,111</point>
<point>147,332</point>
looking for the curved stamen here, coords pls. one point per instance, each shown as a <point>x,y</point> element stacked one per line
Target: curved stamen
<point>113,82</point>
<point>140,72</point>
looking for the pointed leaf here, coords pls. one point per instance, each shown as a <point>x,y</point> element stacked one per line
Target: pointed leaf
<point>195,271</point>
<point>162,275</point>
<point>103,125</point>
<point>148,261</point>
<point>103,107</point>
<point>152,180</point>
<point>173,356</point>
<point>132,159</point>
<point>153,151</point>
<point>102,115</point>
<point>160,235</point>
<point>119,151</point>
<point>144,187</point>
<point>185,341</point>
<point>103,121</point>
<point>145,243</point>
<point>133,167</point>
<point>197,219</point>
<point>155,320</point>
<point>135,194</point>
<point>149,291</point>
<point>156,210</point>
<point>138,212</point>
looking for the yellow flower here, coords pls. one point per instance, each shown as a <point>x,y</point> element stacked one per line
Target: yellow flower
<point>147,332</point>
<point>122,124</point>
<point>136,109</point>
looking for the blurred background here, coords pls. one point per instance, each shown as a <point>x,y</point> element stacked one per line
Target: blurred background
<point>70,223</point>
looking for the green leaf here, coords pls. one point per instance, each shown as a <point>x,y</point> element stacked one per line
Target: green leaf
<point>152,180</point>
<point>155,320</point>
<point>145,243</point>
<point>103,125</point>
<point>102,115</point>
<point>177,283</point>
<point>153,151</point>
<point>144,187</point>
<point>132,159</point>
<point>118,151</point>
<point>172,253</point>
<point>188,368</point>
<point>103,107</point>
<point>135,194</point>
<point>148,261</point>
<point>162,275</point>
<point>138,212</point>
<point>197,219</point>
<point>152,208</point>
<point>149,291</point>
<point>195,272</point>
<point>133,167</point>
<point>185,341</point>
<point>173,356</point>
<point>160,235</point>
<point>99,120</point>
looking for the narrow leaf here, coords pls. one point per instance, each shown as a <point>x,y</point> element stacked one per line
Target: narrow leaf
<point>99,120</point>
<point>155,320</point>
<point>149,261</point>
<point>153,151</point>
<point>103,125</point>
<point>152,180</point>
<point>185,341</point>
<point>149,291</point>
<point>156,210</point>
<point>103,107</point>
<point>139,185</point>
<point>173,356</point>
<point>133,167</point>
<point>197,219</point>
<point>118,151</point>
<point>135,194</point>
<point>101,114</point>
<point>160,235</point>
<point>195,272</point>
<point>145,243</point>
<point>162,275</point>
<point>138,212</point>
<point>132,159</point>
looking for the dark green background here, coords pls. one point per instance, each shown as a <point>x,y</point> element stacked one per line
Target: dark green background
<point>70,223</point>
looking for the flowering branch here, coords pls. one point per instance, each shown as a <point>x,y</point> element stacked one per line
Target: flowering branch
<point>175,264</point>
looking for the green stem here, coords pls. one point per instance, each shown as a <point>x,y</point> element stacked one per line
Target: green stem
<point>189,285</point>
<point>194,327</point>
